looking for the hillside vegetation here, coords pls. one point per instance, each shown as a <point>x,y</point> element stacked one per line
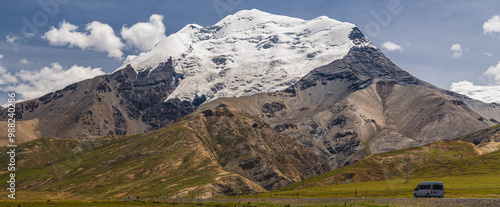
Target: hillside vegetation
<point>217,152</point>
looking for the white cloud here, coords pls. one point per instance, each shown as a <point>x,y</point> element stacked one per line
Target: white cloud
<point>100,37</point>
<point>391,46</point>
<point>486,94</point>
<point>48,79</point>
<point>129,59</point>
<point>6,77</point>
<point>144,35</point>
<point>489,54</point>
<point>457,50</point>
<point>24,61</point>
<point>492,25</point>
<point>494,71</point>
<point>10,39</point>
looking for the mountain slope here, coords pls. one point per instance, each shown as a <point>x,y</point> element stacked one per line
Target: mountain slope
<point>124,102</point>
<point>359,105</point>
<point>214,153</point>
<point>489,109</point>
<point>487,140</point>
<point>25,131</point>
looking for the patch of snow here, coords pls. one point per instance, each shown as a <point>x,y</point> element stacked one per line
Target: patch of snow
<point>248,52</point>
<point>488,94</point>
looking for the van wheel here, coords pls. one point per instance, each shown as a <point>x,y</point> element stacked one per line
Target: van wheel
<point>428,196</point>
<point>415,195</point>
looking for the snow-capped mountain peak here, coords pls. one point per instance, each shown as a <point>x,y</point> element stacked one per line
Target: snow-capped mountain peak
<point>248,52</point>
<point>247,19</point>
<point>190,28</point>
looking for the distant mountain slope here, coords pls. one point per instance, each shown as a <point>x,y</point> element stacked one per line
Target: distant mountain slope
<point>213,153</point>
<point>124,102</point>
<point>489,109</point>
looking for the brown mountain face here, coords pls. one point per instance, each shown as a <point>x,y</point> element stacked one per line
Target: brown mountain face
<point>361,105</point>
<point>124,102</point>
<point>246,145</point>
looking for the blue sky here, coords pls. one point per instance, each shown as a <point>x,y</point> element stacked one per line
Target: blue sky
<point>424,31</point>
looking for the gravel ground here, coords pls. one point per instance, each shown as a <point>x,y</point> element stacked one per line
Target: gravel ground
<point>441,202</point>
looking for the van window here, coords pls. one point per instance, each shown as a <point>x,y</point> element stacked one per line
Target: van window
<point>425,187</point>
<point>437,187</point>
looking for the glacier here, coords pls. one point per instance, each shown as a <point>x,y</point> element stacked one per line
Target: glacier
<point>248,52</point>
<point>487,94</point>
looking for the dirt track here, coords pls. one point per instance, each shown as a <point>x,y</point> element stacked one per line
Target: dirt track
<point>441,202</point>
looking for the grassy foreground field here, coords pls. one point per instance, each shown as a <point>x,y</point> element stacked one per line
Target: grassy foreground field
<point>182,203</point>
<point>274,202</point>
<point>482,186</point>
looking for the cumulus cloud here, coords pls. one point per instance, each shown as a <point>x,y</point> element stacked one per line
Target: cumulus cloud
<point>457,50</point>
<point>10,39</point>
<point>483,93</point>
<point>492,25</point>
<point>129,59</point>
<point>144,35</point>
<point>24,61</point>
<point>6,77</point>
<point>494,71</point>
<point>48,79</point>
<point>391,46</point>
<point>486,94</point>
<point>99,37</point>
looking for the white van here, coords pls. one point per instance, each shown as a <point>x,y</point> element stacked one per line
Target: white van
<point>429,189</point>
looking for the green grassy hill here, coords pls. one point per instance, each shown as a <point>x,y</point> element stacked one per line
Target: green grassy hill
<point>48,150</point>
<point>140,165</point>
<point>216,152</point>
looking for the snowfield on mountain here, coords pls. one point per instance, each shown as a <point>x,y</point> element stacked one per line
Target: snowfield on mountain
<point>246,53</point>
